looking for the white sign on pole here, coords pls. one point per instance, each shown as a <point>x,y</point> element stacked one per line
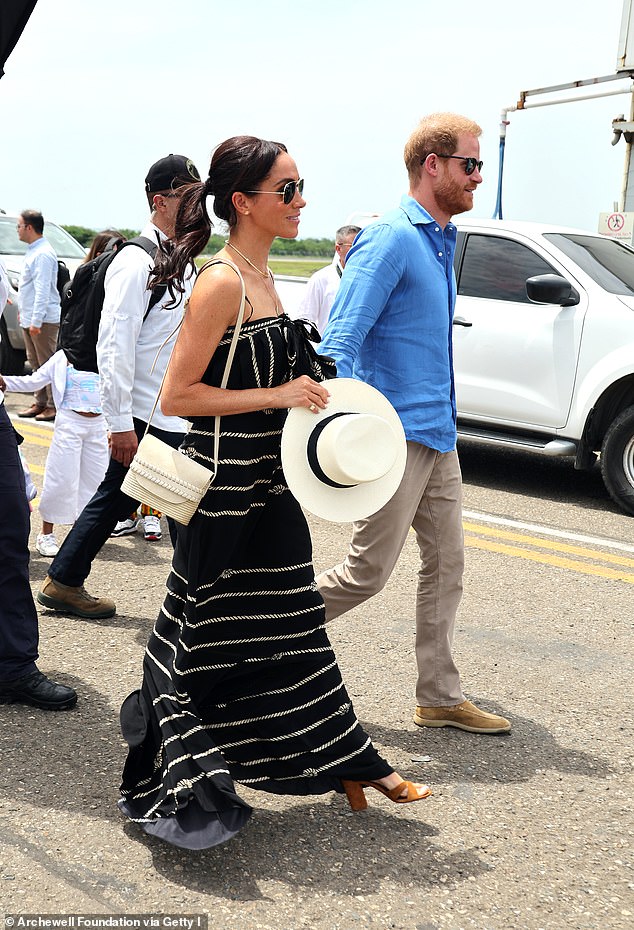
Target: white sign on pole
<point>617,225</point>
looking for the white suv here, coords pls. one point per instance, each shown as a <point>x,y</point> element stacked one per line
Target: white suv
<point>12,354</point>
<point>544,344</point>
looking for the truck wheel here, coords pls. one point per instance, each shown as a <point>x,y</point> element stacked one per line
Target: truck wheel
<point>617,460</point>
<point>11,360</point>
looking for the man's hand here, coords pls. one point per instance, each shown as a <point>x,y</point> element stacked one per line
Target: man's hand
<point>35,330</point>
<point>3,385</point>
<point>123,446</point>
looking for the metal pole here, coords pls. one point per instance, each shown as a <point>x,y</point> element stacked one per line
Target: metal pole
<point>552,103</point>
<point>627,194</point>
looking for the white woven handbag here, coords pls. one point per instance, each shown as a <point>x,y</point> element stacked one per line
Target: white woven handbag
<point>165,478</point>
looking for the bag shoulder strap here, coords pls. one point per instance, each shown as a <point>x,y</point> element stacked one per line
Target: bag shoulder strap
<point>240,317</point>
<point>230,355</point>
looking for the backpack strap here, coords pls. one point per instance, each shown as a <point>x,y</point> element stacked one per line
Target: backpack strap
<point>151,248</point>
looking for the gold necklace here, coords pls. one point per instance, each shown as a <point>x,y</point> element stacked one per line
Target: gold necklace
<point>265,274</point>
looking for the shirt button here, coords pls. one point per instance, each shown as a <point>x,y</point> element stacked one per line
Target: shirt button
<point>437,229</point>
<point>440,255</point>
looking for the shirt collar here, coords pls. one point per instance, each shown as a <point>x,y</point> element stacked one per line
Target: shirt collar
<point>418,215</point>
<point>158,232</point>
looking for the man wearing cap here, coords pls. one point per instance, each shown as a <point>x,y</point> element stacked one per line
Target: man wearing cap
<point>129,339</point>
<point>391,326</point>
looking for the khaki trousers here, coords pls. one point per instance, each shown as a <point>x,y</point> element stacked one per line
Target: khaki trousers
<point>429,499</point>
<point>38,350</point>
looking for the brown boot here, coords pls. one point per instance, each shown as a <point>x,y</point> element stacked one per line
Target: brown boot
<point>33,411</point>
<point>47,415</point>
<point>74,600</point>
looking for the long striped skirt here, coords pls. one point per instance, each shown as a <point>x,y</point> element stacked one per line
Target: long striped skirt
<point>240,681</point>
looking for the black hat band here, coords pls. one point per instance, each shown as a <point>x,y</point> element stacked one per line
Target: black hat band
<point>311,451</point>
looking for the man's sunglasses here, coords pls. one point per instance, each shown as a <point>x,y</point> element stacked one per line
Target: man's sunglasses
<point>288,191</point>
<point>470,163</point>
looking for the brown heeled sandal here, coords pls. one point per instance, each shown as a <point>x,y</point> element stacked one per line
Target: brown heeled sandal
<point>358,802</point>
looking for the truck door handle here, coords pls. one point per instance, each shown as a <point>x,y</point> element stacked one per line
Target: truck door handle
<point>460,321</point>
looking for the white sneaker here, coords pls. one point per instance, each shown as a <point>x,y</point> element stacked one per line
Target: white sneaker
<point>125,527</point>
<point>151,528</point>
<point>46,545</point>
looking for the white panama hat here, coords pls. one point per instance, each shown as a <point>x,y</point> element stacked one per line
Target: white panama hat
<point>345,462</point>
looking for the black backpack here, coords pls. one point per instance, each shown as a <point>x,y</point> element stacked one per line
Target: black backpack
<point>63,277</point>
<point>82,303</point>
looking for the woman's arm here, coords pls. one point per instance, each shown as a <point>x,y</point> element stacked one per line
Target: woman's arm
<point>213,306</point>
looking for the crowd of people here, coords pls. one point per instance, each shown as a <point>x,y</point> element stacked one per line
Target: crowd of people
<point>240,682</point>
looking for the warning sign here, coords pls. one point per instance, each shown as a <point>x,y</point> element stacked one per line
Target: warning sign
<point>617,225</point>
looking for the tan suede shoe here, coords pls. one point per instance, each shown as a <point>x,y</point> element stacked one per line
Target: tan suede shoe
<point>465,716</point>
<point>74,600</point>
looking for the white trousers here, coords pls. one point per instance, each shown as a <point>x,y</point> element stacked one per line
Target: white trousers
<point>75,465</point>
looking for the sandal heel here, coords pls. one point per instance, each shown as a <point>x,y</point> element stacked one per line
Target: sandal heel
<point>355,795</point>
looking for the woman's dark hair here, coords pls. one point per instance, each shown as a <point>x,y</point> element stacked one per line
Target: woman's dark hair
<point>100,242</point>
<point>238,164</point>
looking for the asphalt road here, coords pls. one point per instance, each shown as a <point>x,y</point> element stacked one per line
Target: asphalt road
<point>524,831</point>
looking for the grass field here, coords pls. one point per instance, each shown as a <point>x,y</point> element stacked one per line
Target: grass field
<point>297,267</point>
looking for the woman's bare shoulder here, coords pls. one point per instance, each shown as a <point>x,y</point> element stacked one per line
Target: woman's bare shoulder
<point>219,281</point>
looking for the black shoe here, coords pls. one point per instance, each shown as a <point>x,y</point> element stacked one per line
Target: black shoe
<point>39,691</point>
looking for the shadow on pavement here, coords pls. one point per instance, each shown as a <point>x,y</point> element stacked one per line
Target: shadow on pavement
<point>505,758</point>
<point>317,848</point>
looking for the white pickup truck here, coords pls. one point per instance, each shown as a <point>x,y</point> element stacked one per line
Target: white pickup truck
<point>544,344</point>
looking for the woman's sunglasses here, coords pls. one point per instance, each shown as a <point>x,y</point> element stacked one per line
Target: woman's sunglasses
<point>470,163</point>
<point>289,190</point>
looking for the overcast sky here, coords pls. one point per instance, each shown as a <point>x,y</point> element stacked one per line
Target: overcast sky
<point>94,93</point>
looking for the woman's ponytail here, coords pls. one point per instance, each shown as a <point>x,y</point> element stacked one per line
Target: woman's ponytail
<point>191,235</point>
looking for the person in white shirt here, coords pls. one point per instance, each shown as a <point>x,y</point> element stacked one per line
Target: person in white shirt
<point>78,455</point>
<point>4,288</point>
<point>129,340</point>
<point>39,305</point>
<point>322,287</point>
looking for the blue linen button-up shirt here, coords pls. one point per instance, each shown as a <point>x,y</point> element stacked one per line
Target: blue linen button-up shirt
<point>391,322</point>
<point>38,297</point>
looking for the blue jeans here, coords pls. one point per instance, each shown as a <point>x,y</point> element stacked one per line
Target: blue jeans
<point>72,564</point>
<point>18,616</point>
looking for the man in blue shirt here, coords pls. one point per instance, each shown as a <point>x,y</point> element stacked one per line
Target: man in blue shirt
<point>391,326</point>
<point>39,303</point>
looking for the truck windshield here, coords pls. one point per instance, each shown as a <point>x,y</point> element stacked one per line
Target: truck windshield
<point>608,262</point>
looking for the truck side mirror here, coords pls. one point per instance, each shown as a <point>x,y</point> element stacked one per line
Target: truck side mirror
<point>551,289</point>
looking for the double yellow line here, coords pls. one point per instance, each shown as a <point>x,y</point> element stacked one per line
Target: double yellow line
<point>535,549</point>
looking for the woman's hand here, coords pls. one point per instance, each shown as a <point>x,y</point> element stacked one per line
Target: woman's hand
<point>302,392</point>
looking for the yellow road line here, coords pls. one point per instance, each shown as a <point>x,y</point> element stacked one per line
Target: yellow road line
<point>558,561</point>
<point>549,544</point>
<point>36,441</point>
<point>31,424</point>
<point>41,436</point>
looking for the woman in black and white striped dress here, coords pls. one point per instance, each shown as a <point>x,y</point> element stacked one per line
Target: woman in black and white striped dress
<point>240,681</point>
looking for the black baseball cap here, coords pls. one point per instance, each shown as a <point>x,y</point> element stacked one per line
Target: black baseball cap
<point>170,172</point>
